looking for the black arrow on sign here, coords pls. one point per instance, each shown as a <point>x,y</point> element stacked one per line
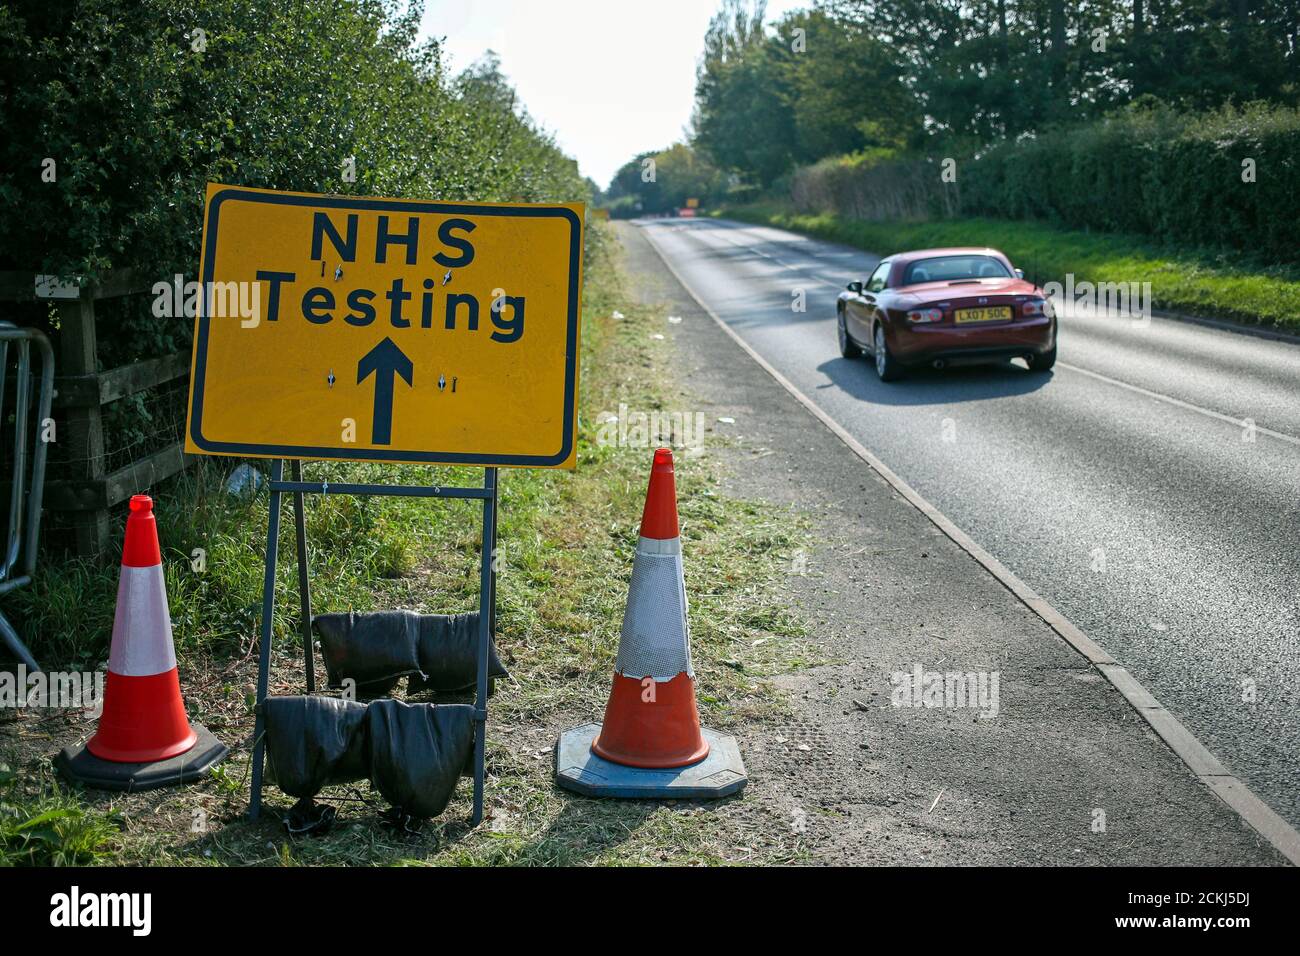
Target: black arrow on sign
<point>385,361</point>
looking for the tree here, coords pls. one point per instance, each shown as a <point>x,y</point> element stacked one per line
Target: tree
<point>661,181</point>
<point>138,111</point>
<point>844,87</point>
<point>742,119</point>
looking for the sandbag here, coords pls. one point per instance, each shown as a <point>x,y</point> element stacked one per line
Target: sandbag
<point>448,653</point>
<point>418,752</point>
<point>413,754</point>
<point>373,648</point>
<point>312,742</point>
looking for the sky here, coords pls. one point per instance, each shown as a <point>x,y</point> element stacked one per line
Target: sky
<point>609,78</point>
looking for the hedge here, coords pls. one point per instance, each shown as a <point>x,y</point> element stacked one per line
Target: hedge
<point>1157,173</point>
<point>1172,177</point>
<point>140,102</point>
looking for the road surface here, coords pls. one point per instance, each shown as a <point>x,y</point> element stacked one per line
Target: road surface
<point>1149,488</point>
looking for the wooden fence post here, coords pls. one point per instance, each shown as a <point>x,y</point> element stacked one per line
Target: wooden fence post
<point>83,487</point>
<point>85,425</point>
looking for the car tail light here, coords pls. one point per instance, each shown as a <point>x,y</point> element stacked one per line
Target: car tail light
<point>925,315</point>
<point>1036,309</point>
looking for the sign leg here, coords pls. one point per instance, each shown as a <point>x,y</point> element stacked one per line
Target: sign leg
<point>264,651</point>
<point>492,610</point>
<point>304,588</point>
<point>486,601</point>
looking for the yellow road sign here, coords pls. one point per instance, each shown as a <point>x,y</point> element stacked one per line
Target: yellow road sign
<point>692,203</point>
<point>386,330</point>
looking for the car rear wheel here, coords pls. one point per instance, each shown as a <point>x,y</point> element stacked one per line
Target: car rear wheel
<point>1043,361</point>
<point>887,367</point>
<point>848,348</point>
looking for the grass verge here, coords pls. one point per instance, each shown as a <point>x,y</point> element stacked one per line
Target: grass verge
<point>566,544</point>
<point>1211,284</point>
<point>51,827</point>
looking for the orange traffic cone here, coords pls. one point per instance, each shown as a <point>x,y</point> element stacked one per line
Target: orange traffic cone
<point>651,719</point>
<point>651,743</point>
<point>144,738</point>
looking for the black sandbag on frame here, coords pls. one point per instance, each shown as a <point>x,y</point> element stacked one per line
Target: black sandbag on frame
<point>312,742</point>
<point>446,651</point>
<point>373,648</point>
<point>413,754</point>
<point>418,753</point>
<point>487,494</point>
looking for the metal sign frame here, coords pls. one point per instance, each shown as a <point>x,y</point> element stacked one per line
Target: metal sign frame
<point>487,493</point>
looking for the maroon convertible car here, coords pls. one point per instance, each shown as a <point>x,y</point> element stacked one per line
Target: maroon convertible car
<point>944,307</point>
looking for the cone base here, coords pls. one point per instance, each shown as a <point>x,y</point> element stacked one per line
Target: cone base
<point>578,768</point>
<point>79,765</point>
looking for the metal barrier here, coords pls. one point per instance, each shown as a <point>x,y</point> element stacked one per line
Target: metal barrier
<point>24,506</point>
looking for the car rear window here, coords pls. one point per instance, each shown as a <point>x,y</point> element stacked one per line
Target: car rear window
<point>950,268</point>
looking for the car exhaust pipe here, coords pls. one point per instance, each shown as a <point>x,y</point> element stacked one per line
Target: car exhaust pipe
<point>940,364</point>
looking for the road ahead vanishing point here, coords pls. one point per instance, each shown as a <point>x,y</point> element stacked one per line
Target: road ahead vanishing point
<point>1149,487</point>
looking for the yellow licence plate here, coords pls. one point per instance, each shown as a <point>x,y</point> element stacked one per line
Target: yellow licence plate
<point>994,313</point>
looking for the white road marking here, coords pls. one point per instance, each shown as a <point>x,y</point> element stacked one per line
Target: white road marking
<point>1179,403</point>
<point>816,280</point>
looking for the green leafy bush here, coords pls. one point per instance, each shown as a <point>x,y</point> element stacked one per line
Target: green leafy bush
<point>1155,172</point>
<point>114,114</point>
<point>1149,171</point>
<point>139,103</point>
<point>874,186</point>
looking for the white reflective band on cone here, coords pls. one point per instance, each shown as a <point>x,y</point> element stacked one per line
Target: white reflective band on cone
<point>656,640</point>
<point>142,629</point>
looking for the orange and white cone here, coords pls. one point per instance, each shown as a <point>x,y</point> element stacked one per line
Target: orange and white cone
<point>143,728</point>
<point>651,743</point>
<point>651,719</point>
